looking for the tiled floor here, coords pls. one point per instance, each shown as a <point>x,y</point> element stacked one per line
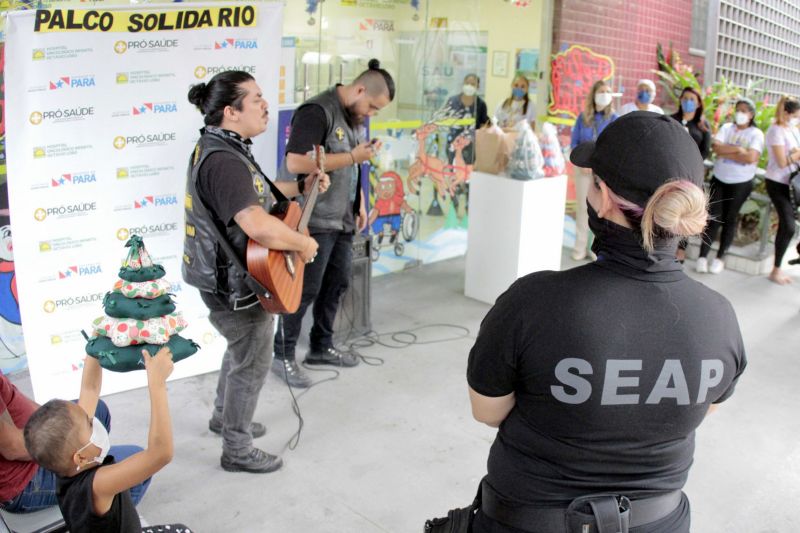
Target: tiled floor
<point>385,447</point>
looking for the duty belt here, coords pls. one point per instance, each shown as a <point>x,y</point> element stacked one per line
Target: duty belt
<point>595,513</point>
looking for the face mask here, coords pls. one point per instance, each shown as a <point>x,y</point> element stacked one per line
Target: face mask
<point>469,90</point>
<point>100,439</point>
<point>602,100</point>
<point>794,122</point>
<point>518,93</point>
<point>742,119</point>
<point>688,106</point>
<point>644,97</point>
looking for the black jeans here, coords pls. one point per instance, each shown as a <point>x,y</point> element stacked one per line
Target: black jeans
<point>779,194</point>
<point>324,282</point>
<point>723,207</point>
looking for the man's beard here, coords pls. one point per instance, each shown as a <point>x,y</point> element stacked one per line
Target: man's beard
<point>353,119</point>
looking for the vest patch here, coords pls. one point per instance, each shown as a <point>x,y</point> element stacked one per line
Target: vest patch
<point>339,133</point>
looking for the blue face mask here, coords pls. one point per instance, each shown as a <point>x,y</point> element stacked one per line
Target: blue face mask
<point>688,106</point>
<point>517,92</point>
<point>644,97</point>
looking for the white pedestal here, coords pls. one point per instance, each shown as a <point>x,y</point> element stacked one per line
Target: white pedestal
<point>515,228</point>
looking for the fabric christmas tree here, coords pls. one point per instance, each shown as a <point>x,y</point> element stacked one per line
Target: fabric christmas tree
<point>140,314</point>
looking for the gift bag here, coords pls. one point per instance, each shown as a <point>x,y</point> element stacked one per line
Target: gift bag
<point>491,150</point>
<point>526,161</point>
<point>554,162</point>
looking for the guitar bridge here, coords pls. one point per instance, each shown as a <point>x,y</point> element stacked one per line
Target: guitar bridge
<point>289,263</point>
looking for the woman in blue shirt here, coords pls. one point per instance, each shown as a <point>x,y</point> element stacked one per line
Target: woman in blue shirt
<point>596,115</point>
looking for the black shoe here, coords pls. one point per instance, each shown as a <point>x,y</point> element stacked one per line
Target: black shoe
<point>290,372</point>
<point>795,261</point>
<point>255,462</point>
<point>331,356</point>
<point>256,430</point>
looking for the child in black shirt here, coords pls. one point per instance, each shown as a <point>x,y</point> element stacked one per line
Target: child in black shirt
<point>93,490</point>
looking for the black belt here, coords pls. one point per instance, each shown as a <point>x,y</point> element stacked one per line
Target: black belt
<point>554,520</point>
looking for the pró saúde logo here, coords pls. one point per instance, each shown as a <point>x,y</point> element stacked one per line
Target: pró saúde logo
<point>145,140</point>
<point>236,44</point>
<point>155,108</point>
<point>146,45</point>
<point>65,210</point>
<point>150,230</point>
<point>72,301</point>
<point>202,71</point>
<point>74,178</point>
<point>72,82</point>
<point>63,114</point>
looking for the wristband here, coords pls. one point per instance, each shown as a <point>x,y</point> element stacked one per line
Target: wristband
<point>301,186</point>
<point>353,159</point>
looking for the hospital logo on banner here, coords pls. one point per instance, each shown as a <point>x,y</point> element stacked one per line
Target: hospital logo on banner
<point>143,171</point>
<point>137,77</point>
<point>58,244</point>
<point>202,71</point>
<point>59,53</point>
<point>60,150</point>
<point>160,229</point>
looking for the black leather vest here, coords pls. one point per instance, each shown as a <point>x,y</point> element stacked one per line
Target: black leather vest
<point>334,210</point>
<point>205,264</point>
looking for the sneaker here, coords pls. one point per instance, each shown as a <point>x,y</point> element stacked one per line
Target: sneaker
<point>290,372</point>
<point>331,356</point>
<point>256,462</point>
<point>256,430</point>
<point>702,265</point>
<point>717,266</point>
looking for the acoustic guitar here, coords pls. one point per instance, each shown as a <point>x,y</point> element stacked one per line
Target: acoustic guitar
<point>281,272</point>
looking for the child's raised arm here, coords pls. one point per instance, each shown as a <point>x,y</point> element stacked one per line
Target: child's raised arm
<point>113,479</point>
<point>91,382</point>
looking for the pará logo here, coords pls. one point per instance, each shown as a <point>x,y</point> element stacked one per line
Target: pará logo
<point>77,178</point>
<point>236,44</point>
<point>155,201</point>
<point>74,271</point>
<point>72,82</point>
<point>155,108</point>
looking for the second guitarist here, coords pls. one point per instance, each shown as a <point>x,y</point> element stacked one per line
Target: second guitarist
<point>333,119</point>
<point>228,197</point>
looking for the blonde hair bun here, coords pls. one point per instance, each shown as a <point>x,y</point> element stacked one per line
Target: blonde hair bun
<point>678,207</point>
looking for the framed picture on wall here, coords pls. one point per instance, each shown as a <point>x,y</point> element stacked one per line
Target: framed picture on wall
<point>500,63</point>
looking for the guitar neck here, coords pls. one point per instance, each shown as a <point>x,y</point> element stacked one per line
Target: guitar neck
<point>308,206</point>
<point>311,199</point>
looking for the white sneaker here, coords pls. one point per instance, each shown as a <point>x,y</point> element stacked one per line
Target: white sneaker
<point>702,265</point>
<point>717,266</point>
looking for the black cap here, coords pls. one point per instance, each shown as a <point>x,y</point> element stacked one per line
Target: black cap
<point>639,152</point>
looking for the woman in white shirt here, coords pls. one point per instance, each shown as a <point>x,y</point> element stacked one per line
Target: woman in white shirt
<point>738,147</point>
<point>783,147</point>
<point>645,94</point>
<point>516,107</point>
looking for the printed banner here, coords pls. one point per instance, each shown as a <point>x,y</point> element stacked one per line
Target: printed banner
<point>99,135</point>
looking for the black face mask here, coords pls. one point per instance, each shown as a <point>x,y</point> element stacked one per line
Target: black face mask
<point>620,249</point>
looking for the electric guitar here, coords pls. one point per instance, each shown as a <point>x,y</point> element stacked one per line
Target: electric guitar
<point>281,272</point>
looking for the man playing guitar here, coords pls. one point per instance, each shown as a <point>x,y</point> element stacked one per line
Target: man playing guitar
<point>227,202</point>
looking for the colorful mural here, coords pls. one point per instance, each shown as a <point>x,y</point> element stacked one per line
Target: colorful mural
<point>572,74</point>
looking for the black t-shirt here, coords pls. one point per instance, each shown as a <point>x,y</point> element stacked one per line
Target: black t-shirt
<point>226,186</point>
<point>312,133</point>
<point>611,375</point>
<point>700,137</point>
<point>74,496</point>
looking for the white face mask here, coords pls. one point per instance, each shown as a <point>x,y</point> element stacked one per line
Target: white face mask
<point>100,439</point>
<point>602,100</point>
<point>794,122</point>
<point>742,119</point>
<point>469,90</point>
